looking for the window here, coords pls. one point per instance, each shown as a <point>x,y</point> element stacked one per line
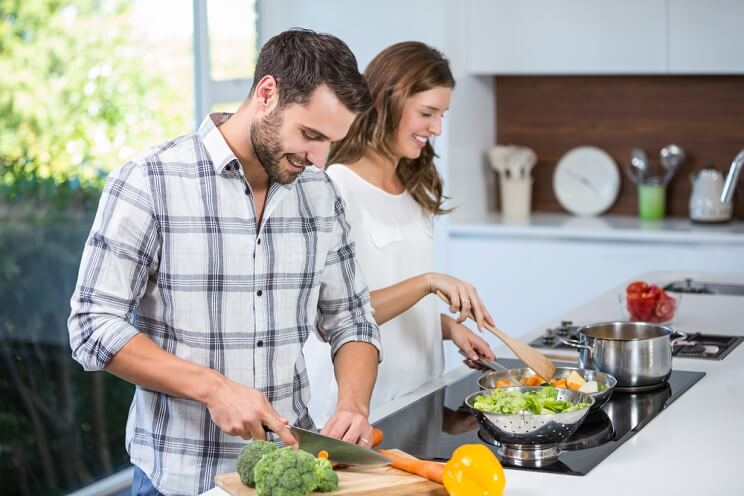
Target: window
<point>86,85</point>
<point>225,50</point>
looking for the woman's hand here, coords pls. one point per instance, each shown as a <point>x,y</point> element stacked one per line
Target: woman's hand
<point>472,346</point>
<point>462,296</point>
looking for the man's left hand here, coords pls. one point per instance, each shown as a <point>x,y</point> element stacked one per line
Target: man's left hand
<point>350,426</point>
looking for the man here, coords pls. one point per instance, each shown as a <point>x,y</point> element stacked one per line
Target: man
<point>211,259</point>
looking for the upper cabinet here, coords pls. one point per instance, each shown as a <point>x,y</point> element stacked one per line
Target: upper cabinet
<point>567,37</point>
<point>706,37</point>
<point>605,37</point>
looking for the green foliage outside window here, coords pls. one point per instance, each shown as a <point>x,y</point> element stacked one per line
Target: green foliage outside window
<point>76,100</point>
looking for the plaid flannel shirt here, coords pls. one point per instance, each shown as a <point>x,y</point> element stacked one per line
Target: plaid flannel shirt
<point>175,253</point>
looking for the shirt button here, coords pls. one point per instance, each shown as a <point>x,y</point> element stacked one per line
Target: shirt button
<point>259,344</point>
<point>259,292</point>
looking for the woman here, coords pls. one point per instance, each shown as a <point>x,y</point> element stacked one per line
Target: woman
<point>384,170</point>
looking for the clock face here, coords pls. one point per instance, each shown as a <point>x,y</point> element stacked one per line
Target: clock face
<point>586,181</point>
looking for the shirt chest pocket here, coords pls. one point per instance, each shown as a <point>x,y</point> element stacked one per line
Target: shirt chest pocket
<point>301,251</point>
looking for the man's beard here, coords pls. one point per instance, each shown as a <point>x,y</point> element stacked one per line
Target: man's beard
<point>266,146</point>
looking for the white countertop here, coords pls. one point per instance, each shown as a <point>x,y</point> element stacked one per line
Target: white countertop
<point>606,227</point>
<point>693,447</point>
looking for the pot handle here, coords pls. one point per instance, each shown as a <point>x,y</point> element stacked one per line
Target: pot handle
<point>681,336</point>
<point>575,344</point>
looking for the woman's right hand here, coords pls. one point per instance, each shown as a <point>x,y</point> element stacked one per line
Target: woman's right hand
<point>463,298</point>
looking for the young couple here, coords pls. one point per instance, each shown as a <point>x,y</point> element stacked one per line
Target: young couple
<point>215,257</point>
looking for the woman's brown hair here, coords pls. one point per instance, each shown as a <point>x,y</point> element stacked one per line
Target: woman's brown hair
<point>396,73</point>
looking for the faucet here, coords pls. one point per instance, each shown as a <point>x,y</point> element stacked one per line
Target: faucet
<point>731,178</point>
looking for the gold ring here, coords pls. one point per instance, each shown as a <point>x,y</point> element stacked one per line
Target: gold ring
<point>465,300</point>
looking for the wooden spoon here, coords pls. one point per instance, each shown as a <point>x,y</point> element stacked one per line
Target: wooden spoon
<point>529,355</point>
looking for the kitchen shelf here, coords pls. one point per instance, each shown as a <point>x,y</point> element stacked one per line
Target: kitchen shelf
<point>601,228</point>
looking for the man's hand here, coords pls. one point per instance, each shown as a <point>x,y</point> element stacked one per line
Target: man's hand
<point>242,411</point>
<point>350,426</point>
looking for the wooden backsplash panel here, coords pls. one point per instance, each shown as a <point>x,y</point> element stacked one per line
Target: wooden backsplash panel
<point>702,114</point>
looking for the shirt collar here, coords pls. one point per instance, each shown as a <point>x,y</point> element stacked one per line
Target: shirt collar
<point>220,153</point>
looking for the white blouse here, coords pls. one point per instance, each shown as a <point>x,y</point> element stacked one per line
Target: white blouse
<point>393,237</point>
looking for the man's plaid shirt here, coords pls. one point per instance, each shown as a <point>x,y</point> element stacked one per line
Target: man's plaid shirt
<point>174,253</point>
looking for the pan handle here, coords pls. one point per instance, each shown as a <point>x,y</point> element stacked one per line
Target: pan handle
<point>681,336</point>
<point>575,344</point>
<point>489,364</point>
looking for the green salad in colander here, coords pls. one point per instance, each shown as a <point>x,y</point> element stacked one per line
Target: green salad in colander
<point>543,401</point>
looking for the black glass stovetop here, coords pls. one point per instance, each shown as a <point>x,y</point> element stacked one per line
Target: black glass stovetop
<point>434,426</point>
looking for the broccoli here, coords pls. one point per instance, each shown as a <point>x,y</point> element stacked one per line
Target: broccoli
<point>325,478</point>
<point>249,457</point>
<point>285,472</point>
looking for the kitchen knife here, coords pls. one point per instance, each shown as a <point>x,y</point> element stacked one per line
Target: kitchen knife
<point>338,451</point>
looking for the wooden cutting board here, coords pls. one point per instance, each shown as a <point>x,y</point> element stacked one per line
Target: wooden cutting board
<point>354,481</point>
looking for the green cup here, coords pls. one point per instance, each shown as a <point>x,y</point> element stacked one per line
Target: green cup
<point>651,199</point>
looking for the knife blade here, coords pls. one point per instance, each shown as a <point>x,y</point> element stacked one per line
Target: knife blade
<point>338,451</point>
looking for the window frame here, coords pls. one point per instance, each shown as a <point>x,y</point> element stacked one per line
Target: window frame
<point>207,91</point>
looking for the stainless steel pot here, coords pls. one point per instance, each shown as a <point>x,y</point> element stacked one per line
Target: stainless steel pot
<point>637,354</point>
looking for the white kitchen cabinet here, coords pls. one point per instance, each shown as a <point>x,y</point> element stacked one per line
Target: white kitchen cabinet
<point>527,281</point>
<point>567,37</point>
<point>706,37</point>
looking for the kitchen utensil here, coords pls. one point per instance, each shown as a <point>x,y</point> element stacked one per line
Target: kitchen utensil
<point>671,157</point>
<point>529,355</point>
<point>514,164</point>
<point>639,169</point>
<point>338,451</point>
<point>484,362</point>
<point>533,436</point>
<point>515,377</point>
<point>586,181</point>
<point>705,200</point>
<point>733,175</point>
<point>637,354</point>
<point>355,481</point>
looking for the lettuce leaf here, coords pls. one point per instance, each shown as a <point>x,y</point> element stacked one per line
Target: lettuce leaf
<point>544,401</point>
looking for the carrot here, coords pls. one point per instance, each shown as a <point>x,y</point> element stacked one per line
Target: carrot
<point>377,437</point>
<point>503,383</point>
<point>322,454</point>
<point>533,380</point>
<point>430,470</point>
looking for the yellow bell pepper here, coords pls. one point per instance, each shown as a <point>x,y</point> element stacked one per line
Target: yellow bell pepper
<point>473,470</point>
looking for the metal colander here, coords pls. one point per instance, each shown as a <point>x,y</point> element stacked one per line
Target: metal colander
<point>532,429</point>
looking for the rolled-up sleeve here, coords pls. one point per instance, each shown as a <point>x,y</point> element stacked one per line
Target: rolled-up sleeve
<point>345,313</point>
<point>119,256</point>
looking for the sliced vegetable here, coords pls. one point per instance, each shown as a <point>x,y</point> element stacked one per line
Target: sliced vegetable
<point>544,401</point>
<point>574,381</point>
<point>649,303</point>
<point>589,387</point>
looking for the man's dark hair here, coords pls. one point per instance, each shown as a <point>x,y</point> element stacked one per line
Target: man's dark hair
<point>301,60</point>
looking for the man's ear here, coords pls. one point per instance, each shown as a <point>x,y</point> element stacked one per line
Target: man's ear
<point>267,93</point>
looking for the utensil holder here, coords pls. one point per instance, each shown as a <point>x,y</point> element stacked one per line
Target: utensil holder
<point>651,201</point>
<point>516,196</point>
